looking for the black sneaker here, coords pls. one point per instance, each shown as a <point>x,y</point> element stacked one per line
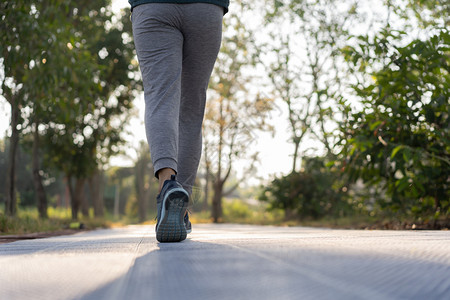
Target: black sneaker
<point>172,203</point>
<point>187,223</point>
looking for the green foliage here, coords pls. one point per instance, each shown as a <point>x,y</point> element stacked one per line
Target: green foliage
<point>305,66</point>
<point>119,180</point>
<point>314,192</point>
<point>146,187</point>
<point>400,137</point>
<point>396,139</point>
<point>80,133</point>
<point>238,211</point>
<point>55,186</point>
<point>27,221</point>
<point>24,182</point>
<point>430,12</point>
<point>226,137</point>
<point>69,69</point>
<point>131,207</point>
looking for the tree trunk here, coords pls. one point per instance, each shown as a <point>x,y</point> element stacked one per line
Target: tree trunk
<point>96,189</point>
<point>75,195</point>
<point>207,176</point>
<point>151,197</point>
<point>116,200</point>
<point>218,183</point>
<point>294,165</point>
<point>142,208</point>
<point>67,196</point>
<point>290,214</point>
<point>142,187</point>
<point>10,203</point>
<point>73,203</point>
<point>217,202</point>
<point>437,209</point>
<point>41,197</point>
<point>83,200</point>
<point>206,191</point>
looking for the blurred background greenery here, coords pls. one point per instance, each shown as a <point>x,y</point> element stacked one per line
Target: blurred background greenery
<point>360,88</point>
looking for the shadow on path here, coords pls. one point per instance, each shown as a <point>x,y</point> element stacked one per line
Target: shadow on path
<point>207,270</point>
<point>200,270</point>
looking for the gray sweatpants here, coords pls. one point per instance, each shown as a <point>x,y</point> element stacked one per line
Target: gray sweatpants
<point>177,45</point>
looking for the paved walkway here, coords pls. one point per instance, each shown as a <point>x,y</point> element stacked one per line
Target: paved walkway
<point>229,262</point>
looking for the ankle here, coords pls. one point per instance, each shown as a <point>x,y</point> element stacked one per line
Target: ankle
<point>163,175</point>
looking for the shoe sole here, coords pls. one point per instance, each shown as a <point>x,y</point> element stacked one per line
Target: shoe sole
<point>171,226</point>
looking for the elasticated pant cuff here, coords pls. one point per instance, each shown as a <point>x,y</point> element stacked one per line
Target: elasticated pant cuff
<point>165,162</point>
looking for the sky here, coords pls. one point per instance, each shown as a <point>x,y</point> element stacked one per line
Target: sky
<point>275,152</point>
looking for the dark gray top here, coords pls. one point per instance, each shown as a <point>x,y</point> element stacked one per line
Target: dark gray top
<point>223,3</point>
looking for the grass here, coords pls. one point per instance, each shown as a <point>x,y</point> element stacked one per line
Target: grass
<point>237,211</point>
<point>28,221</point>
<point>234,211</point>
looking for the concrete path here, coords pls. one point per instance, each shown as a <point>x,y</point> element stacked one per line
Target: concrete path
<point>229,262</point>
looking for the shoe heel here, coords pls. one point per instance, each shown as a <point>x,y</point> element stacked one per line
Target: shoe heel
<point>171,228</point>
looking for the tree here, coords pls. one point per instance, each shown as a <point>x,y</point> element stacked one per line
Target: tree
<point>35,60</point>
<point>400,137</point>
<point>400,147</point>
<point>87,129</point>
<point>96,187</point>
<point>122,191</point>
<point>69,78</point>
<point>24,180</point>
<point>428,13</point>
<point>18,18</point>
<point>146,189</point>
<point>233,115</point>
<point>304,65</point>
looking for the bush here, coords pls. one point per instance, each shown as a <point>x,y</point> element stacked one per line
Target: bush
<point>236,210</point>
<point>400,138</point>
<point>313,193</point>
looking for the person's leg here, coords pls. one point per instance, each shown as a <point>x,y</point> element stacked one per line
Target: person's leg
<point>159,46</point>
<point>202,31</point>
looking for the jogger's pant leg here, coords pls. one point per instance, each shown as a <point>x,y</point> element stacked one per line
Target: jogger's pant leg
<point>202,28</point>
<point>159,47</point>
<point>177,45</point>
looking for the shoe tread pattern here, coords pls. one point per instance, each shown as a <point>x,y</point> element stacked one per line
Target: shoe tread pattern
<point>171,228</point>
